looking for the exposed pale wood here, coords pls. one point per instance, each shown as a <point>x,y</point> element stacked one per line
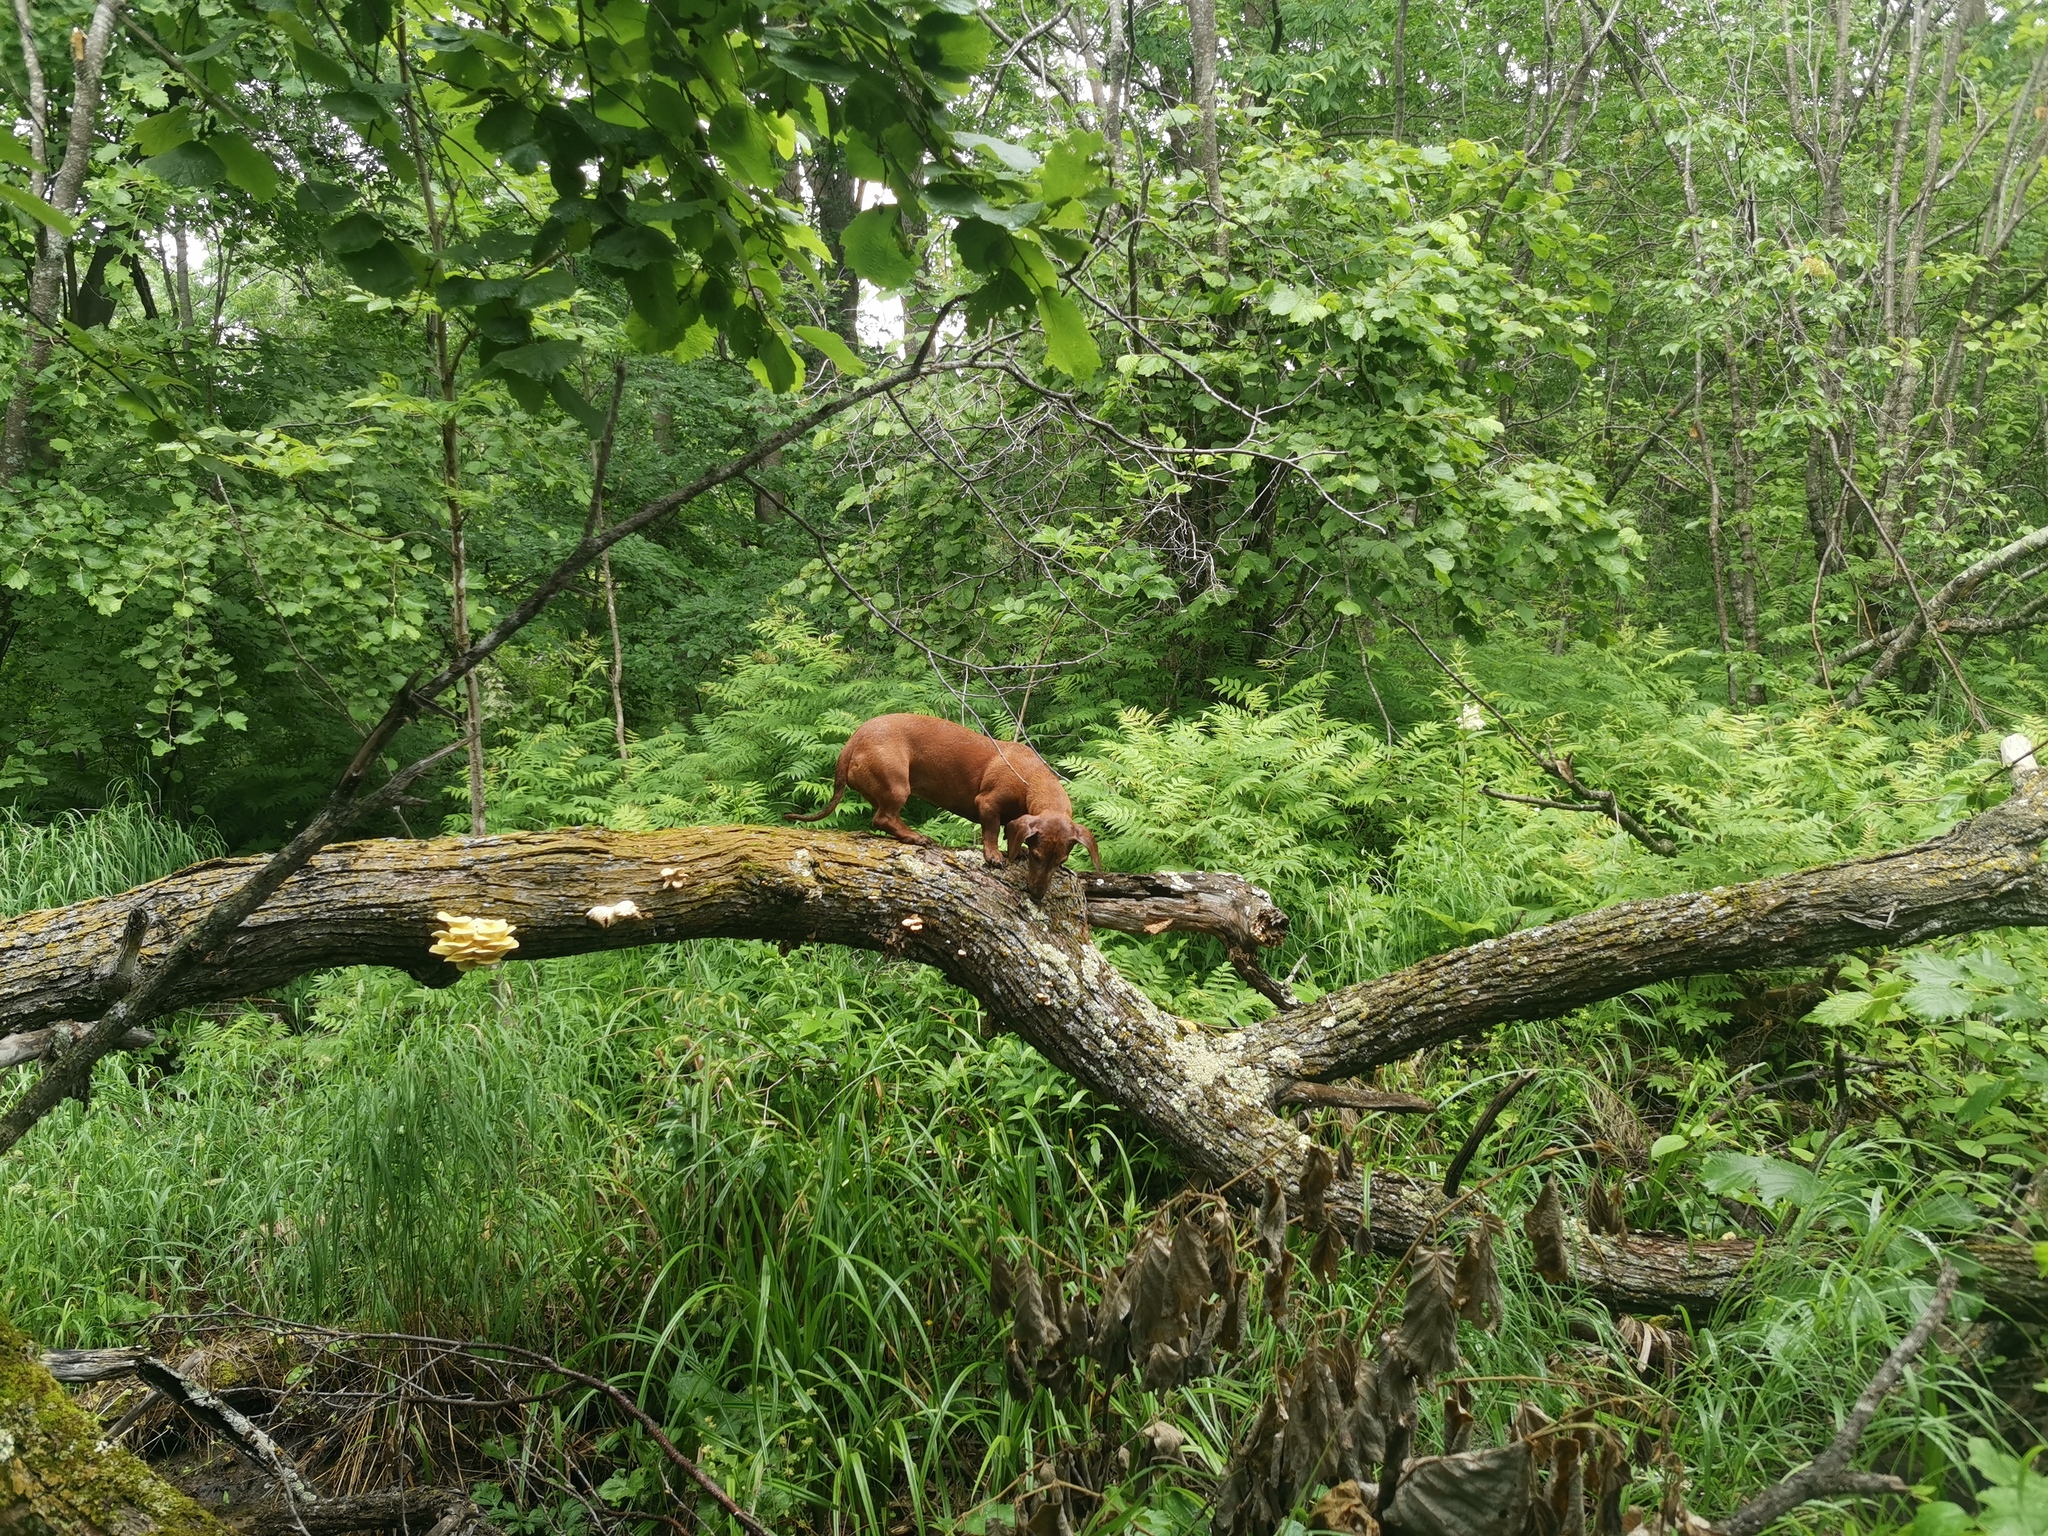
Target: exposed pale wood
<point>32,1045</point>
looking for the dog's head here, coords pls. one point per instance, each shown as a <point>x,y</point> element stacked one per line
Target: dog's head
<point>1047,840</point>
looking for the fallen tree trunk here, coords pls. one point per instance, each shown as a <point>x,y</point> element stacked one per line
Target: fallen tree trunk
<point>1213,1096</point>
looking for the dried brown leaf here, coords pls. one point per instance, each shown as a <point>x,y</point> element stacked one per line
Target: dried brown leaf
<point>1230,1327</point>
<point>1188,1272</point>
<point>1606,1209</point>
<point>1479,1295</point>
<point>1329,1249</point>
<point>1274,1290</point>
<point>1035,1333</point>
<point>1317,1172</point>
<point>1153,1315</point>
<point>1568,1487</point>
<point>1016,1374</point>
<point>1160,1441</point>
<point>1222,1251</point>
<point>1478,1493</point>
<point>1347,1507</point>
<point>1080,1328</point>
<point>1001,1286</point>
<point>1544,1227</point>
<point>1458,1420</point>
<point>1347,1163</point>
<point>1273,1221</point>
<point>1429,1317</point>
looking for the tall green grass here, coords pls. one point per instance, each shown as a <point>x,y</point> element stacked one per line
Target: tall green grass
<point>91,853</point>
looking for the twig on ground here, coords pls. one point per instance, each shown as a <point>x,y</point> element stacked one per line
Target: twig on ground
<point>1829,1474</point>
<point>505,1355</point>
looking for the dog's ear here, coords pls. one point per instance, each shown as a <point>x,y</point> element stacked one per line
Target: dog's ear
<point>1088,842</point>
<point>1023,830</point>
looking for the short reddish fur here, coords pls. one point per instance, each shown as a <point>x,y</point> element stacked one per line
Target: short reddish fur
<point>995,784</point>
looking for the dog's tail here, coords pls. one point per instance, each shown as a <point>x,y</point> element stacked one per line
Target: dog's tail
<point>838,794</point>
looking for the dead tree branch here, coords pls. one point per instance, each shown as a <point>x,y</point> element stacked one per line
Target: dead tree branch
<point>1829,1475</point>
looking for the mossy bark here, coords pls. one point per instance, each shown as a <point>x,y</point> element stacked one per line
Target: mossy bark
<point>55,1477</point>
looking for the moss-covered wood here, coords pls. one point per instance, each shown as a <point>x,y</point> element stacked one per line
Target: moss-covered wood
<point>56,1480</point>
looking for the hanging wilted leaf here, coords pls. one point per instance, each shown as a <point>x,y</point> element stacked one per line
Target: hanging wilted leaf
<point>1329,1249</point>
<point>1222,1251</point>
<point>1478,1493</point>
<point>1016,1374</point>
<point>1315,1423</point>
<point>1230,1328</point>
<point>1244,1502</point>
<point>1606,1481</point>
<point>1347,1165</point>
<point>1544,1227</point>
<point>1079,1329</point>
<point>1149,1276</point>
<point>1393,1386</point>
<point>1159,1441</point>
<point>1110,1337</point>
<point>1002,1291</point>
<point>1368,1431</point>
<point>1458,1420</point>
<point>1651,1346</point>
<point>1533,1425</point>
<point>1163,1366</point>
<point>1429,1317</point>
<point>1606,1208</point>
<point>1316,1173</point>
<point>1273,1222</point>
<point>1274,1289</point>
<point>1479,1296</point>
<point>1568,1487</point>
<point>1188,1272</point>
<point>1035,1333</point>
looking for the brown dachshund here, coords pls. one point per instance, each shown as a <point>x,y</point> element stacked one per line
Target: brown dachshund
<point>994,783</point>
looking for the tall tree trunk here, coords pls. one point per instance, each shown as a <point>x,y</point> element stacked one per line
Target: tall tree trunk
<point>62,191</point>
<point>1208,153</point>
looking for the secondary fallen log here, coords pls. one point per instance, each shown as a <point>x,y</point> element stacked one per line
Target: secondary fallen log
<point>1213,1096</point>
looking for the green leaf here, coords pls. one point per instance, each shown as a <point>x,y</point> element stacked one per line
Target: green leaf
<point>385,268</point>
<point>631,247</point>
<point>357,232</point>
<point>37,209</point>
<point>1664,1146</point>
<point>841,355</point>
<point>538,359</point>
<point>1015,156</point>
<point>741,139</point>
<point>14,152</point>
<point>247,166</point>
<point>1068,345</point>
<point>321,68</point>
<point>366,21</point>
<point>1070,170</point>
<point>164,132</point>
<point>188,165</point>
<point>955,42</point>
<point>874,249</point>
<point>1772,1180</point>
